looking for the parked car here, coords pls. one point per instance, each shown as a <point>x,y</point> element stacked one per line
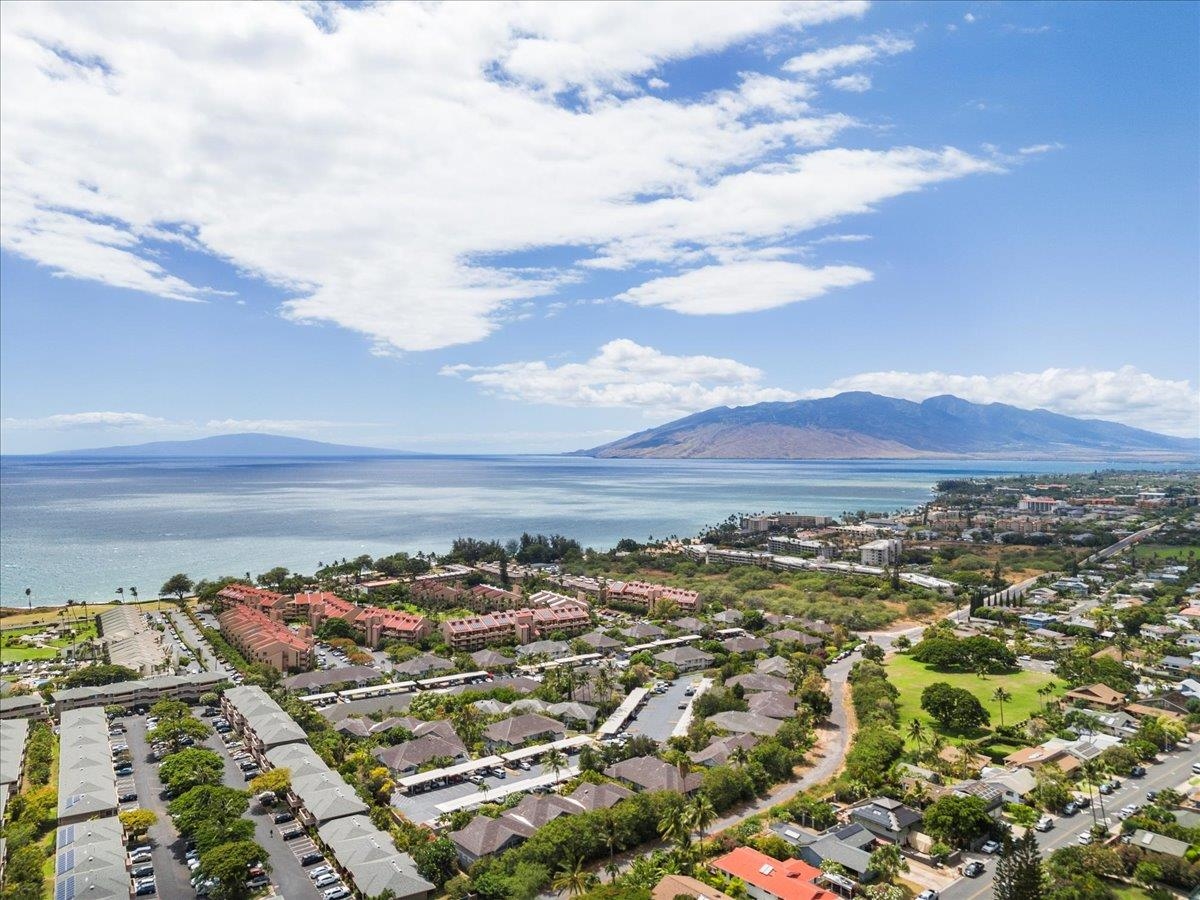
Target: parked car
<point>258,882</point>
<point>292,834</point>
<point>326,880</point>
<point>251,774</point>
<point>320,871</point>
<point>146,890</point>
<point>127,797</point>
<point>311,859</point>
<point>1045,823</point>
<point>973,869</point>
<point>928,894</point>
<point>282,817</point>
<point>1137,772</point>
<point>990,847</point>
<point>1106,788</point>
<point>1085,838</point>
<point>336,893</point>
<point>1070,809</point>
<point>143,871</point>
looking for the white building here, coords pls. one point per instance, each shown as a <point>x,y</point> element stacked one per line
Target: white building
<point>882,553</point>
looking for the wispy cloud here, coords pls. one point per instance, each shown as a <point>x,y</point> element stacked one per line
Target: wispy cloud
<point>1040,148</point>
<point>856,84</point>
<point>829,59</point>
<point>71,421</point>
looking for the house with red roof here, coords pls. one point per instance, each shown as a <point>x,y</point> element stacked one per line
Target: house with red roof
<point>767,878</point>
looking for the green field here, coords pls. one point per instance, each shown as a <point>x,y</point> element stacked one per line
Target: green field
<point>1167,551</point>
<point>911,677</point>
<point>12,650</point>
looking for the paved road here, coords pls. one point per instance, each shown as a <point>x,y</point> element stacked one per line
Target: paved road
<point>1175,768</point>
<point>194,639</point>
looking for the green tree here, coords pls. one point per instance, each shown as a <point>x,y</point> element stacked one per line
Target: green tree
<point>700,813</point>
<point>275,780</point>
<point>170,709</point>
<point>174,731</point>
<point>916,732</point>
<point>93,676</point>
<point>208,804</point>
<point>190,768</point>
<point>178,585</point>
<point>887,862</point>
<point>436,860</point>
<point>137,821</point>
<point>957,820</point>
<point>228,863</point>
<point>1019,873</point>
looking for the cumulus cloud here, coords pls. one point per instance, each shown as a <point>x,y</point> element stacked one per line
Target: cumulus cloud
<point>624,373</point>
<point>743,287</point>
<point>382,164</point>
<point>1126,395</point>
<point>856,84</point>
<point>829,59</point>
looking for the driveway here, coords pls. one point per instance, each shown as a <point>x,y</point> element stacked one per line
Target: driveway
<point>423,807</point>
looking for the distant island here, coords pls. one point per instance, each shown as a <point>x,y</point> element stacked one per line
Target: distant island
<point>249,444</point>
<point>862,425</point>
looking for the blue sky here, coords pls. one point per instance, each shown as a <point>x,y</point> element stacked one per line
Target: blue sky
<point>539,228</point>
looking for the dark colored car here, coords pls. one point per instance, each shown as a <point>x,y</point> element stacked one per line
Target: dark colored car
<point>1137,771</point>
<point>973,869</point>
<point>145,890</point>
<point>311,859</point>
<point>143,871</point>
<point>1070,809</point>
<point>292,834</point>
<point>127,798</point>
<point>282,817</point>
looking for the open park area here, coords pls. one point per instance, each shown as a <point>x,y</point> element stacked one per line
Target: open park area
<point>911,678</point>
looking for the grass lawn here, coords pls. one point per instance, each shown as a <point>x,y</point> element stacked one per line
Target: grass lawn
<point>48,615</point>
<point>1166,551</point>
<point>1127,891</point>
<point>12,650</point>
<point>911,677</point>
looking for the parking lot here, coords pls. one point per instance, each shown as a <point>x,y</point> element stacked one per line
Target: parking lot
<point>423,807</point>
<point>192,636</point>
<point>289,877</point>
<point>660,713</point>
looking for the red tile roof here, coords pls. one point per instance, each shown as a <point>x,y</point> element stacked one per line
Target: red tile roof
<point>788,880</point>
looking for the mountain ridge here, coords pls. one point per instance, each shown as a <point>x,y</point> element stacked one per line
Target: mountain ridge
<point>863,425</point>
<point>231,445</point>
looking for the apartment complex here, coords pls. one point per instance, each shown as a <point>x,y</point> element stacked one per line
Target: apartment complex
<point>140,692</point>
<point>883,552</point>
<point>516,625</point>
<point>129,640</point>
<point>642,593</point>
<point>375,622</point>
<point>261,639</point>
<point>87,785</point>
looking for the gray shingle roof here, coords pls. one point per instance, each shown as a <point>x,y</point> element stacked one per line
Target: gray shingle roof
<point>372,860</point>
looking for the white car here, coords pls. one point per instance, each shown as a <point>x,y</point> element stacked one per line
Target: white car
<point>1085,838</point>
<point>320,871</point>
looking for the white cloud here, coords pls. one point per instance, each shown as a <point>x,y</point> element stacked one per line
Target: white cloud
<point>1126,395</point>
<point>743,287</point>
<point>829,59</point>
<point>842,239</point>
<point>1040,148</point>
<point>381,169</point>
<point>657,84</point>
<point>856,84</point>
<point>70,421</point>
<point>626,374</point>
<point>968,17</point>
<point>277,426</point>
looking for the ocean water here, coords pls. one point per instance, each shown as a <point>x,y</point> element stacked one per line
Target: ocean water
<point>74,529</point>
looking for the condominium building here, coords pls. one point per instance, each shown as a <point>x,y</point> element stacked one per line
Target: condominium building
<point>883,552</point>
<point>261,639</point>
<point>642,593</point>
<point>516,625</point>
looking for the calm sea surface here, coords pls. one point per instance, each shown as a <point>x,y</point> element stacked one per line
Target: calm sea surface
<point>72,529</point>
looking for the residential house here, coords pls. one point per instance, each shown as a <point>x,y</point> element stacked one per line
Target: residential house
<point>508,734</point>
<point>1015,784</point>
<point>673,887</point>
<point>847,845</point>
<point>368,859</point>
<point>756,681</point>
<point>643,631</point>
<point>772,704</point>
<point>685,659</point>
<point>600,641</point>
<point>1151,842</point>
<point>548,649</point>
<point>720,750</point>
<point>767,878</point>
<point>1033,758</point>
<point>432,740</point>
<point>1097,696</point>
<point>423,665</point>
<point>746,723</point>
<point>887,819</point>
<point>649,773</point>
<point>744,643</point>
<point>491,660</point>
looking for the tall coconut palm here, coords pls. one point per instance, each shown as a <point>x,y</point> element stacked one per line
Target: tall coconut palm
<point>133,594</point>
<point>120,595</point>
<point>1001,696</point>
<point>700,814</point>
<point>673,826</point>
<point>916,732</point>
<point>554,761</point>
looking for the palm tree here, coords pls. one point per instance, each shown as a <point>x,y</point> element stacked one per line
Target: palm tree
<point>738,756</point>
<point>554,761</point>
<point>610,828</point>
<point>573,878</point>
<point>120,595</point>
<point>673,826</point>
<point>133,594</point>
<point>1001,696</point>
<point>483,790</point>
<point>700,813</point>
<point>29,597</point>
<point>916,731</point>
